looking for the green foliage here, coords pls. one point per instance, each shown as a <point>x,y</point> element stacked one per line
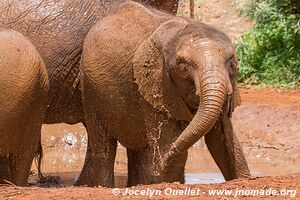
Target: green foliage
<point>270,51</point>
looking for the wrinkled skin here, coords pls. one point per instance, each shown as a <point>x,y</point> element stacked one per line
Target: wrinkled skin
<point>23,99</point>
<point>157,84</point>
<point>57,29</point>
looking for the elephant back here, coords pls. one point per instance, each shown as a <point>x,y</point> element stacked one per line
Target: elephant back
<point>21,69</point>
<point>115,38</point>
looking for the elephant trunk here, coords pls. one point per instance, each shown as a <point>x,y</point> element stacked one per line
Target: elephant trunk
<point>214,89</point>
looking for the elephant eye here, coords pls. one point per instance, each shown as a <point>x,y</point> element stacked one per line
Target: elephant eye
<point>231,63</point>
<point>183,69</point>
<point>231,68</point>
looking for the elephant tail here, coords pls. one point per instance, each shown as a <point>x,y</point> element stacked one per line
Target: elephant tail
<point>39,158</point>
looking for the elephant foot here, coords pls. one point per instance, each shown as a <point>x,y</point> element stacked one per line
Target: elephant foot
<point>143,169</point>
<point>140,168</point>
<point>99,162</point>
<point>5,173</point>
<point>226,150</point>
<point>95,175</point>
<point>16,166</point>
<point>98,167</point>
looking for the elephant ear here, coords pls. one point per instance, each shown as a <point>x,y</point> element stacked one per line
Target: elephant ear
<point>236,95</point>
<point>151,71</point>
<point>235,99</point>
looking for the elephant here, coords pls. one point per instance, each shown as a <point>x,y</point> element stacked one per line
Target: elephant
<point>57,30</point>
<point>157,84</point>
<point>24,91</point>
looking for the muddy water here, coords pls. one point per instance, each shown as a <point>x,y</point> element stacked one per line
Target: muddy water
<point>203,178</point>
<point>64,152</point>
<point>269,135</point>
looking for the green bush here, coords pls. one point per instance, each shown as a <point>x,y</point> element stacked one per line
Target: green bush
<point>270,52</point>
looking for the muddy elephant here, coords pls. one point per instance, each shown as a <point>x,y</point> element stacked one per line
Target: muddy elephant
<point>57,30</point>
<point>157,83</point>
<point>23,99</point>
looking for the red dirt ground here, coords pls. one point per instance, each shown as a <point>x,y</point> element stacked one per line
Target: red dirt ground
<point>280,188</point>
<point>269,97</point>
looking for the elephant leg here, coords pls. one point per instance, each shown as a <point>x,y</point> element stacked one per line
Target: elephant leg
<point>141,170</point>
<point>98,167</point>
<point>143,167</point>
<point>21,159</point>
<point>177,172</point>
<point>5,173</point>
<point>226,150</point>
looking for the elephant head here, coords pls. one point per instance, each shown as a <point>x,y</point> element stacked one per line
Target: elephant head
<point>187,70</point>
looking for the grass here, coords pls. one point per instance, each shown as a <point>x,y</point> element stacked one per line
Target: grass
<point>270,52</point>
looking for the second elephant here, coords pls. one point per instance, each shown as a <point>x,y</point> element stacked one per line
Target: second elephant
<point>157,83</point>
<point>23,101</point>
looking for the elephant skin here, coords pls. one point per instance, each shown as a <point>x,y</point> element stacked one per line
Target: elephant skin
<point>57,30</point>
<point>157,83</point>
<point>23,100</point>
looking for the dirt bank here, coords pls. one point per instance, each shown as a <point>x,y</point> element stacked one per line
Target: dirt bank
<point>223,14</point>
<point>271,97</point>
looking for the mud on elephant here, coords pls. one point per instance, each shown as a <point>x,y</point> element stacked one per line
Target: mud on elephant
<point>57,30</point>
<point>157,83</point>
<point>23,101</point>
